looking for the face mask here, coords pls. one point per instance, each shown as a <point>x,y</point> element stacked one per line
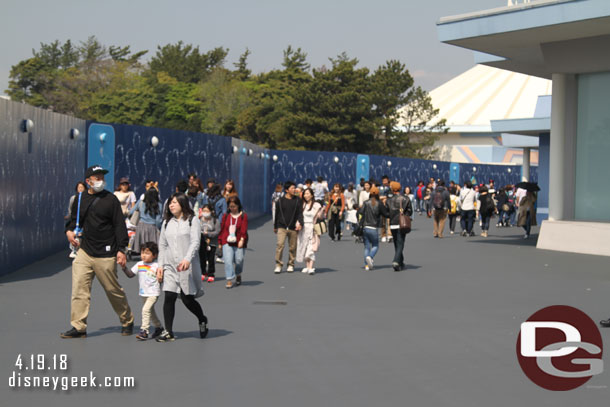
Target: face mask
<point>98,186</point>
<point>206,215</point>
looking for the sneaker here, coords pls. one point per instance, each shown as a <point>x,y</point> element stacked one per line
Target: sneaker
<point>127,330</point>
<point>290,269</point>
<point>464,233</point>
<point>142,336</point>
<point>526,236</point>
<point>451,232</point>
<point>311,271</point>
<point>73,333</point>
<point>229,284</point>
<point>219,260</point>
<point>238,280</point>
<point>472,234</point>
<point>396,266</point>
<point>158,332</point>
<point>204,278</point>
<point>369,262</point>
<point>203,330</point>
<point>605,323</point>
<point>165,337</point>
<point>367,268</point>
<point>211,279</point>
<point>384,239</point>
<point>277,269</point>
<point>305,270</point>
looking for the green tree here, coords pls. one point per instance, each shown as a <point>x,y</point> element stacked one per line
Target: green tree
<point>185,62</point>
<point>242,72</point>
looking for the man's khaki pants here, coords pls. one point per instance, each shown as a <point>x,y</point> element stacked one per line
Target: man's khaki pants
<point>84,269</point>
<point>292,235</point>
<point>440,216</point>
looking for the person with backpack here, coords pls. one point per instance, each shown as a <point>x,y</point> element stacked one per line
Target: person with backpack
<point>398,204</point>
<point>486,209</point>
<point>441,203</point>
<point>454,209</point>
<point>420,191</point>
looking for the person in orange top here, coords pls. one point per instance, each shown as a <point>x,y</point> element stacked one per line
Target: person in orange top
<point>336,207</point>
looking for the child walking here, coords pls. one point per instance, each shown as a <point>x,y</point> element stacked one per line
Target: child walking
<point>149,277</point>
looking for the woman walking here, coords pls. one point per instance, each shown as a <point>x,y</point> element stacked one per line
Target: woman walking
<point>487,209</point>
<point>467,199</point>
<point>181,272</point>
<point>336,207</point>
<point>125,195</point>
<point>398,204</point>
<point>151,210</point>
<point>308,241</point>
<point>233,239</point>
<point>371,211</point>
<point>210,228</point>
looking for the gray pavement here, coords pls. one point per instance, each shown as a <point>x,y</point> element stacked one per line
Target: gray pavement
<point>440,333</point>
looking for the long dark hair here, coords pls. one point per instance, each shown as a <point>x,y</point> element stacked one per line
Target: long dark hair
<point>312,198</point>
<point>234,199</point>
<point>151,201</point>
<point>187,212</point>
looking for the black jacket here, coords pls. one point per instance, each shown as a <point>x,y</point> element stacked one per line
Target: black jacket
<point>287,213</point>
<point>372,214</point>
<point>395,203</point>
<point>104,230</point>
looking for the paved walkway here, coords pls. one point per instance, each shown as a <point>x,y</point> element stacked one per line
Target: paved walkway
<point>441,333</point>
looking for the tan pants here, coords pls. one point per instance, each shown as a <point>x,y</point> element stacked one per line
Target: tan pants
<point>292,235</point>
<point>84,269</point>
<point>440,216</point>
<point>148,313</point>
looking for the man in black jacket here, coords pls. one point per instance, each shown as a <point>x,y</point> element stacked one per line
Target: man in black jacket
<point>102,246</point>
<point>288,222</point>
<point>396,205</point>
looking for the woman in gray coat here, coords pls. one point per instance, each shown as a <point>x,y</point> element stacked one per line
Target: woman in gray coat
<point>178,258</point>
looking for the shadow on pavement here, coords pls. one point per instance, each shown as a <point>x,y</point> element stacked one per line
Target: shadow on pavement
<point>213,333</point>
<point>44,268</point>
<point>259,222</point>
<point>513,240</point>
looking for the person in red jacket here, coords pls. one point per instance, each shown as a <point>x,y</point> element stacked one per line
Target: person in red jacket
<point>233,239</point>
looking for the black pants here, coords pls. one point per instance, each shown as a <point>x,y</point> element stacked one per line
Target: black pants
<point>169,308</point>
<point>399,237</point>
<point>452,221</point>
<point>334,226</point>
<point>207,257</point>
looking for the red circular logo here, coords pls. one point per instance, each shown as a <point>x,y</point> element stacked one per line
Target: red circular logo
<point>560,348</point>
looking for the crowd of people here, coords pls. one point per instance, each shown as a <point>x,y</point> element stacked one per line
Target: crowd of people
<point>181,239</point>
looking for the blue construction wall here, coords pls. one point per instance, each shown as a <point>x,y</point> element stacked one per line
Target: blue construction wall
<point>39,171</point>
<point>501,174</point>
<point>251,172</point>
<point>178,154</point>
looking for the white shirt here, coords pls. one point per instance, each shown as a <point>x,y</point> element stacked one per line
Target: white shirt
<point>147,276</point>
<point>467,198</point>
<point>319,191</point>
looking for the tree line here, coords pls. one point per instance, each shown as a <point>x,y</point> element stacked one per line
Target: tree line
<point>340,107</point>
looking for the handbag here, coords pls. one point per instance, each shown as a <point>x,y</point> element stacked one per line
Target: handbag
<point>404,221</point>
<point>320,226</point>
<point>505,207</point>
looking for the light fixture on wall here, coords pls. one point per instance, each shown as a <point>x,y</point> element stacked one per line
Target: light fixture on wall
<point>267,156</point>
<point>154,141</point>
<point>434,166</point>
<point>389,163</point>
<point>474,169</point>
<point>74,133</point>
<point>510,170</point>
<point>27,125</point>
<point>244,151</point>
<point>363,161</point>
<point>235,149</point>
<point>250,152</point>
<point>336,159</point>
<point>274,157</point>
<point>262,155</point>
<point>102,137</point>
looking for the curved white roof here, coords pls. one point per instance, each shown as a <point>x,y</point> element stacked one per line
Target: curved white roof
<point>484,93</point>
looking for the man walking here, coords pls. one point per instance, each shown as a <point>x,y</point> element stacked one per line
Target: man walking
<point>102,246</point>
<point>441,202</point>
<point>288,221</point>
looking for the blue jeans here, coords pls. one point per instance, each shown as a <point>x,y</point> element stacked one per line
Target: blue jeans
<point>485,221</point>
<point>467,220</point>
<point>233,255</point>
<point>371,242</point>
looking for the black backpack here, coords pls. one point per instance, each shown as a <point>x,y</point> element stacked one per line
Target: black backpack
<point>438,201</point>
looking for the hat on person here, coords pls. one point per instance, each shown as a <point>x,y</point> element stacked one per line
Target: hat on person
<point>395,186</point>
<point>96,169</point>
<point>211,181</point>
<point>124,180</point>
<point>374,191</point>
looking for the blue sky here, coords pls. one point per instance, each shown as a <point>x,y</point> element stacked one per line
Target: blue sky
<point>372,31</point>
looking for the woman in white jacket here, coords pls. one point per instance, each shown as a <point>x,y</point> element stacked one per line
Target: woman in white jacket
<point>178,258</point>
<point>308,241</point>
<point>467,199</point>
